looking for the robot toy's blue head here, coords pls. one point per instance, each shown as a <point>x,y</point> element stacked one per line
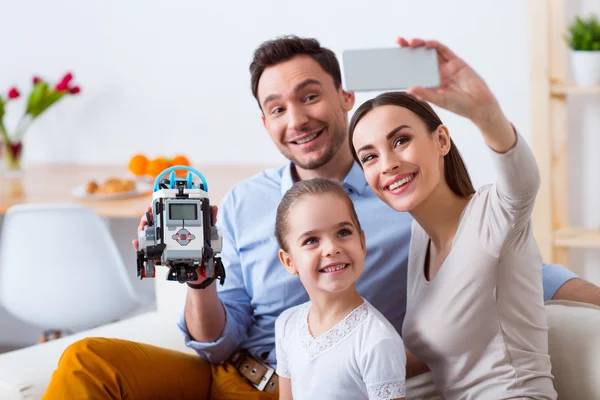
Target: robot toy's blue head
<point>173,180</point>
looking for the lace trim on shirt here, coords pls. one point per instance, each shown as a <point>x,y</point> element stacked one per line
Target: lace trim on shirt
<point>386,391</point>
<point>315,346</point>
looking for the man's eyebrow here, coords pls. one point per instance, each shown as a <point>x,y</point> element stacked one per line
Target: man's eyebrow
<point>305,83</point>
<point>387,137</point>
<point>340,225</point>
<point>297,88</point>
<point>270,98</point>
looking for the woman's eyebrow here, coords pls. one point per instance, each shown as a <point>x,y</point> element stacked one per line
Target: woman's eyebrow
<point>387,137</point>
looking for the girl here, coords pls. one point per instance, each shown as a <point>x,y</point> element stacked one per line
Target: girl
<point>475,312</point>
<point>336,346</point>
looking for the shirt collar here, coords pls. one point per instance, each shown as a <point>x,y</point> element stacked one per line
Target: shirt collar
<point>355,180</point>
<point>286,179</point>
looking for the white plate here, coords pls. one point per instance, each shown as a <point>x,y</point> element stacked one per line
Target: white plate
<point>141,188</point>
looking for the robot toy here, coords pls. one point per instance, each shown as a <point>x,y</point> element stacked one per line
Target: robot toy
<point>180,233</point>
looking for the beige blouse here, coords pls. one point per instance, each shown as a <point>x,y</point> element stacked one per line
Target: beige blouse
<point>480,323</point>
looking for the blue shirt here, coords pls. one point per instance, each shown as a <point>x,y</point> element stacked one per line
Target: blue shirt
<point>257,287</point>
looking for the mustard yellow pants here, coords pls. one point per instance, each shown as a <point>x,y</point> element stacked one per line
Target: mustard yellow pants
<point>99,368</point>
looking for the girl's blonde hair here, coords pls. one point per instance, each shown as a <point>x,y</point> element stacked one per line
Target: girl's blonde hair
<point>314,187</point>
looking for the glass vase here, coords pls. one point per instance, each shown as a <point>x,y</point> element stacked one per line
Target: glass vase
<point>13,152</point>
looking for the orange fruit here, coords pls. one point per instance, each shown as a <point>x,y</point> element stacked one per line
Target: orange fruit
<point>138,164</point>
<point>180,160</point>
<point>157,165</point>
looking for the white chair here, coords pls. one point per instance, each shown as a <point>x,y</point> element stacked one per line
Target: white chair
<point>60,268</point>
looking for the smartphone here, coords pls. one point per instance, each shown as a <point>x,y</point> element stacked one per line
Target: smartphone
<point>390,69</point>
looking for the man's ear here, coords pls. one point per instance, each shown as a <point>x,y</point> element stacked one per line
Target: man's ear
<point>348,99</point>
<point>285,259</point>
<point>443,139</point>
<point>264,120</point>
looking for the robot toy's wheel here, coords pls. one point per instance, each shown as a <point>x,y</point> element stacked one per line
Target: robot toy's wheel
<point>182,275</point>
<point>149,271</point>
<point>193,275</point>
<point>177,273</point>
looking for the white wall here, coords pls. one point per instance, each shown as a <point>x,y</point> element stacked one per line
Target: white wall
<point>167,77</point>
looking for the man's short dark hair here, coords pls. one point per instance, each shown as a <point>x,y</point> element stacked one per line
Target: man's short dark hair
<point>285,48</point>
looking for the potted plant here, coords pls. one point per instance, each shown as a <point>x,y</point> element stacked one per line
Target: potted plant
<point>41,97</point>
<point>583,37</point>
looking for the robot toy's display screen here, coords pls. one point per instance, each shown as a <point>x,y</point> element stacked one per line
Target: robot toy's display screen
<point>183,211</point>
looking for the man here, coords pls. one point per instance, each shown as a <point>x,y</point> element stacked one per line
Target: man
<point>297,85</point>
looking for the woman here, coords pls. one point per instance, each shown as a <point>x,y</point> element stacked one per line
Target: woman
<point>475,312</point>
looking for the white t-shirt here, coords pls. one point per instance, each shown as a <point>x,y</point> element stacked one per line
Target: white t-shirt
<point>361,357</point>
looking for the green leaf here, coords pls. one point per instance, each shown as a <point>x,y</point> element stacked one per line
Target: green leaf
<point>2,112</point>
<point>584,33</point>
<point>46,101</point>
<point>35,97</point>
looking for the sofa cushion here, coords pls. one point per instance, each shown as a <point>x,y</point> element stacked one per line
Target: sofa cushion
<point>25,373</point>
<point>574,346</point>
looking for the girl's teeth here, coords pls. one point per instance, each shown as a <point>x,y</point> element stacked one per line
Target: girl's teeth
<point>401,182</point>
<point>306,140</point>
<point>332,269</point>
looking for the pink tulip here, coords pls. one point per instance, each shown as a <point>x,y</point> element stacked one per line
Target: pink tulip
<point>13,93</point>
<point>36,79</point>
<point>67,78</point>
<point>62,86</point>
<point>74,90</point>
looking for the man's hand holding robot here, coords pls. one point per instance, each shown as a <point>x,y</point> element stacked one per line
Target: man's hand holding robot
<point>178,231</point>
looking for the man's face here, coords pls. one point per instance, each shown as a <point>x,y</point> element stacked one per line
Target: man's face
<point>304,113</point>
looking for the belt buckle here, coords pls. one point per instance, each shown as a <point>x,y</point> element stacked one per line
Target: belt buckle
<point>265,379</point>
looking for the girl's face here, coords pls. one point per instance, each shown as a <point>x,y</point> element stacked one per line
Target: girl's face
<point>324,246</point>
<point>403,163</point>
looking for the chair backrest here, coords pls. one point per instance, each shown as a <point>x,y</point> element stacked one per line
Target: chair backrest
<point>61,269</point>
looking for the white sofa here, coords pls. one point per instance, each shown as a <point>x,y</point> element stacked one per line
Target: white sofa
<point>574,348</point>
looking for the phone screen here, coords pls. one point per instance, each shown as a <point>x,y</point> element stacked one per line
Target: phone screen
<point>390,69</point>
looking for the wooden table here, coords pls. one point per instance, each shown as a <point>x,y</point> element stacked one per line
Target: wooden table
<point>53,183</point>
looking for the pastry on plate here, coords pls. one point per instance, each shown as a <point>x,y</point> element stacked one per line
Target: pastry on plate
<point>110,186</point>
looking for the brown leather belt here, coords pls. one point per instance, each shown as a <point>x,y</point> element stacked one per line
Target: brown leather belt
<point>260,375</point>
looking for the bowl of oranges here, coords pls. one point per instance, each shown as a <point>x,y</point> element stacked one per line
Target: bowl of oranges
<point>145,168</point>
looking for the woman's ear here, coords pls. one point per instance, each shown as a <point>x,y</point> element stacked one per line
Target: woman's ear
<point>443,138</point>
<point>285,259</point>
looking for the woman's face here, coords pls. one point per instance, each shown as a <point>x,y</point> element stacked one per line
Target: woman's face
<point>403,163</point>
